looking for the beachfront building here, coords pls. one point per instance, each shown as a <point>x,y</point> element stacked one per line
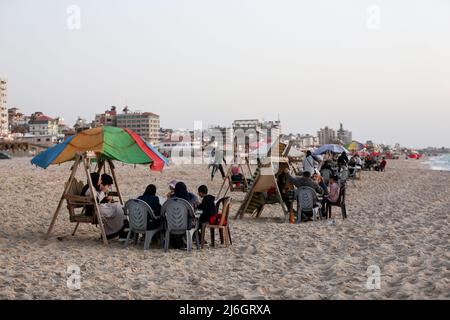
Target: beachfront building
<point>245,132</point>
<point>4,128</point>
<point>326,135</point>
<point>271,130</point>
<point>40,140</point>
<point>18,122</point>
<point>344,136</point>
<point>42,125</point>
<point>308,141</point>
<point>145,124</point>
<point>108,118</point>
<point>81,124</point>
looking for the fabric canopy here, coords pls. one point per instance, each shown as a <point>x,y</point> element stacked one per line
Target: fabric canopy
<point>333,148</point>
<point>355,146</point>
<point>107,143</point>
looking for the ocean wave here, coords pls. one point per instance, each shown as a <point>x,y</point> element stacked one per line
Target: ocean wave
<point>441,163</point>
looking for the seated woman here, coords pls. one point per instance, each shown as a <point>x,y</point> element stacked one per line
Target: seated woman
<point>152,200</point>
<point>319,180</point>
<point>181,191</point>
<point>333,190</point>
<point>111,212</point>
<point>236,176</point>
<point>172,185</point>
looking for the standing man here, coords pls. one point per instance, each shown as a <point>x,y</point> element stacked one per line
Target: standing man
<point>218,159</point>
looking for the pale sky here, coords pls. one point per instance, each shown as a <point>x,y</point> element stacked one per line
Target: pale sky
<point>315,63</point>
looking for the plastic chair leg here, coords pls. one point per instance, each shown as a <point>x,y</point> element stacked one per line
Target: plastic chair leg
<point>203,235</point>
<point>148,238</point>
<point>166,241</point>
<point>189,240</point>
<point>128,238</point>
<point>197,239</point>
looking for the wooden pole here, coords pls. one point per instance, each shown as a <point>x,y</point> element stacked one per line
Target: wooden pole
<point>101,163</point>
<point>94,196</point>
<point>223,183</point>
<point>280,199</point>
<point>66,188</point>
<point>113,172</point>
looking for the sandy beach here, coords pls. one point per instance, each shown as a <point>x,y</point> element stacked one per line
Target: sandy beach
<point>398,220</point>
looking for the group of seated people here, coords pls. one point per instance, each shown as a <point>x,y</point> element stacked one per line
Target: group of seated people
<point>114,219</point>
<point>329,191</point>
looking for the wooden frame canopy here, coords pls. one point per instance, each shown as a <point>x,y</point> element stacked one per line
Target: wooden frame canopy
<point>254,200</point>
<point>76,201</point>
<point>232,184</point>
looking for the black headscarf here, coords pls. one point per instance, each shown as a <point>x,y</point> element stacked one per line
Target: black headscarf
<point>181,191</point>
<point>150,190</point>
<point>107,179</point>
<point>95,177</point>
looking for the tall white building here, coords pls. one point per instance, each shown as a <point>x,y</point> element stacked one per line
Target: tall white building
<point>326,135</point>
<point>344,136</point>
<point>3,109</point>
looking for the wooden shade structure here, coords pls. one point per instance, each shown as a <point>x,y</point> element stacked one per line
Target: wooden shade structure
<point>75,201</point>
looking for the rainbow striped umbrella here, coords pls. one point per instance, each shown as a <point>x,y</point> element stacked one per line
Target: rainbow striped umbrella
<point>107,143</point>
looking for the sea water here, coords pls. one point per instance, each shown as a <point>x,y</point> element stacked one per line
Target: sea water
<point>440,162</point>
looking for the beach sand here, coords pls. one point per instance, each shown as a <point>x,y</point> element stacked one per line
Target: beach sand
<point>397,220</point>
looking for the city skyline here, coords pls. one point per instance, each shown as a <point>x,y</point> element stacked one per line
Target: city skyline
<point>313,64</point>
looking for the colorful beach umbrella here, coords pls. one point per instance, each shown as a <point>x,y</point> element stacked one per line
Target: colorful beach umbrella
<point>355,146</point>
<point>333,148</point>
<point>107,143</point>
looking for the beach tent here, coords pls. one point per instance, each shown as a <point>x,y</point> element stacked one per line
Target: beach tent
<point>100,145</point>
<point>256,199</point>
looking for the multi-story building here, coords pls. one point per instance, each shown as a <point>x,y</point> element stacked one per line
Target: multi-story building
<point>18,122</point>
<point>81,124</point>
<point>308,141</point>
<point>248,124</point>
<point>42,125</point>
<point>344,136</point>
<point>108,118</point>
<point>145,124</point>
<point>271,130</point>
<point>326,135</point>
<point>4,128</point>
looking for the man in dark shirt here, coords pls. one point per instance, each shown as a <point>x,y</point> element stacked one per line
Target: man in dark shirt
<point>208,205</point>
<point>304,181</point>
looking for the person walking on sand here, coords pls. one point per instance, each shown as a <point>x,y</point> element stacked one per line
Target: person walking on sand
<point>217,165</point>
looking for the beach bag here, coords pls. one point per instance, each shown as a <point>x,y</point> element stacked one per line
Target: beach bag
<point>215,219</point>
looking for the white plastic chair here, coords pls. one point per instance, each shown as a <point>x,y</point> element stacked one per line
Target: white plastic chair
<point>138,212</point>
<point>177,213</point>
<point>307,201</point>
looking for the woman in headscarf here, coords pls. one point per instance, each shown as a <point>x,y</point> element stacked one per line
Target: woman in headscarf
<point>112,213</point>
<point>182,192</point>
